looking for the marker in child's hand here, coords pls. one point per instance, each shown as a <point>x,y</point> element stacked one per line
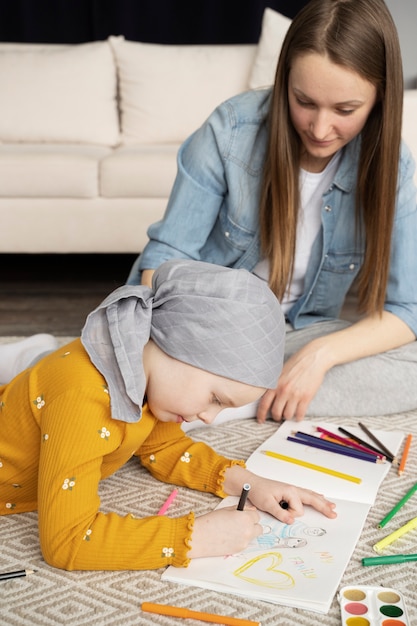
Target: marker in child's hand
<point>284,504</point>
<point>243,497</point>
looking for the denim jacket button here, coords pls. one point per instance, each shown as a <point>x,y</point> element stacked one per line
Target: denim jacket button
<point>227,234</point>
<point>352,266</point>
<point>327,208</point>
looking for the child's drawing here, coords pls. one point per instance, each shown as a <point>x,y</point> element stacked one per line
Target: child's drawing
<point>263,570</point>
<point>279,535</point>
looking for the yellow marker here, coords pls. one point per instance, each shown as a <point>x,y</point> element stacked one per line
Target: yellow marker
<point>318,468</point>
<point>386,541</point>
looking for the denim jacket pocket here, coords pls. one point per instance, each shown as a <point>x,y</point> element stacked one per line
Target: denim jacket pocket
<point>334,281</point>
<point>235,235</point>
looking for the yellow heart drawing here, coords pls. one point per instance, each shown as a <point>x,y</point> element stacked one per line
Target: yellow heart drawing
<point>265,574</point>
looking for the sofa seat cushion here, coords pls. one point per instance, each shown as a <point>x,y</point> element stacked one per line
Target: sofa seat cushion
<point>50,170</point>
<point>135,171</point>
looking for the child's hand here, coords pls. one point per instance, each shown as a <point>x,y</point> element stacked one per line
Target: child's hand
<point>224,531</point>
<point>267,494</point>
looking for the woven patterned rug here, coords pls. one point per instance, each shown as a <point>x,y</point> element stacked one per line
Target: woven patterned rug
<point>55,597</point>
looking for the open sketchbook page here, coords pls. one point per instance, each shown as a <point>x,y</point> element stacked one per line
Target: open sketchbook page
<point>370,474</point>
<point>297,565</point>
<point>301,564</point>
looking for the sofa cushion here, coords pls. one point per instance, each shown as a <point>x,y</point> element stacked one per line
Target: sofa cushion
<point>58,94</point>
<point>48,171</point>
<point>167,91</point>
<point>134,171</point>
<point>274,29</point>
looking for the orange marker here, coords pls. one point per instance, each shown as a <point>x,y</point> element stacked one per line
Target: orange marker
<point>176,611</point>
<point>405,455</point>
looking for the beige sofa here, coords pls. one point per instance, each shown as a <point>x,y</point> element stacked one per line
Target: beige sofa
<point>89,133</point>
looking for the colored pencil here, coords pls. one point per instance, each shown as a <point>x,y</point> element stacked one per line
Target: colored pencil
<point>317,468</point>
<point>398,506</point>
<point>364,443</point>
<point>349,442</point>
<point>316,442</point>
<point>386,541</point>
<point>176,611</point>
<point>376,441</point>
<point>18,574</point>
<point>405,455</point>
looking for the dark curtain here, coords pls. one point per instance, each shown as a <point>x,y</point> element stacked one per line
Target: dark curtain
<point>151,21</point>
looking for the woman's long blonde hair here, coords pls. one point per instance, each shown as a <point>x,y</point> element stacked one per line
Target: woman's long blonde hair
<point>361,36</point>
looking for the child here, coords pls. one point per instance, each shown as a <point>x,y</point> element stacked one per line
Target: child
<point>204,338</point>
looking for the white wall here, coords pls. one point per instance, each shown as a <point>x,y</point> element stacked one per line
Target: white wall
<point>404,13</point>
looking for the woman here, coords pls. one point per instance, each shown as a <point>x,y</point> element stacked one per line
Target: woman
<point>147,362</point>
<point>308,185</point>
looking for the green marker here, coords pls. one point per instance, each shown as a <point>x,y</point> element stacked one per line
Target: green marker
<point>387,560</point>
<point>398,506</point>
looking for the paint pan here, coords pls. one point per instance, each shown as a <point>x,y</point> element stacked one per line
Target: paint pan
<point>372,606</point>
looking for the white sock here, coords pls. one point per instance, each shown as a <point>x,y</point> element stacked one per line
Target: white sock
<point>16,357</point>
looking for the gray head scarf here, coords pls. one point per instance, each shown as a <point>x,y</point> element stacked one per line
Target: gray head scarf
<point>222,320</point>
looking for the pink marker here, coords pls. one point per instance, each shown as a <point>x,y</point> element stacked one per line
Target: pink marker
<point>164,508</point>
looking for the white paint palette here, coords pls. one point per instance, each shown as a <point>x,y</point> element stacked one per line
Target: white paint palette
<point>372,606</point>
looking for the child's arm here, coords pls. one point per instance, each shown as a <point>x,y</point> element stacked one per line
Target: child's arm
<point>172,456</point>
<point>79,446</point>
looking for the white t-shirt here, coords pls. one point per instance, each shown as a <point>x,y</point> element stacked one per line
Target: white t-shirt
<point>312,188</point>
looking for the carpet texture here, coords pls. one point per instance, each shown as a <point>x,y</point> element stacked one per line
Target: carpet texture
<point>55,597</point>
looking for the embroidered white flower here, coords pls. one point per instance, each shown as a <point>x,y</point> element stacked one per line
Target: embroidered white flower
<point>87,535</point>
<point>45,437</point>
<point>39,402</point>
<point>9,505</point>
<point>69,483</point>
<point>105,389</point>
<point>186,457</point>
<point>104,433</point>
<point>1,463</point>
<point>152,458</point>
<point>168,552</point>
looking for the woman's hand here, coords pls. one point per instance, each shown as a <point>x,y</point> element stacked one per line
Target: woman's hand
<point>301,378</point>
<point>224,531</point>
<point>304,372</point>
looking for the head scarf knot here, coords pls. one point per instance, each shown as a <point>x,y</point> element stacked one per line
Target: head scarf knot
<point>225,321</point>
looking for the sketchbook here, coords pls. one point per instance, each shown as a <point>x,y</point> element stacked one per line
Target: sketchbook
<point>298,565</point>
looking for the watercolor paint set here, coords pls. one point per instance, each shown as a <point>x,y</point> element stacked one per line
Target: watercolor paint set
<point>372,606</point>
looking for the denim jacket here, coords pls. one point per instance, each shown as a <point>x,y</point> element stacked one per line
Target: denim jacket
<point>212,215</point>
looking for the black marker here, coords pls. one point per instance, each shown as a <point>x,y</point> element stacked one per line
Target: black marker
<point>243,497</point>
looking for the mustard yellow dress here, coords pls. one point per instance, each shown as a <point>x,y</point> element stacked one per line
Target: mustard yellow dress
<point>58,441</point>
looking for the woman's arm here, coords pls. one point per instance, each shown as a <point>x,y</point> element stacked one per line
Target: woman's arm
<point>304,372</point>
